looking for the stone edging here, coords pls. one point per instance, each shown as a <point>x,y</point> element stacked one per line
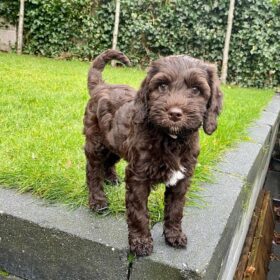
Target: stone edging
<point>43,241</point>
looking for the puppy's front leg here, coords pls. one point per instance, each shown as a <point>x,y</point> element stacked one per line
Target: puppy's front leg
<point>139,236</point>
<point>174,199</point>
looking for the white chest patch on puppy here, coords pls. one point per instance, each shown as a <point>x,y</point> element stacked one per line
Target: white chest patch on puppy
<point>173,136</point>
<point>176,176</point>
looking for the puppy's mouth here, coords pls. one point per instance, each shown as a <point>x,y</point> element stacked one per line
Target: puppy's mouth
<point>177,132</point>
<point>176,127</point>
<point>180,130</point>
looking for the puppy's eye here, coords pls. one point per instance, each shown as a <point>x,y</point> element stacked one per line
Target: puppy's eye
<point>163,87</point>
<point>195,91</point>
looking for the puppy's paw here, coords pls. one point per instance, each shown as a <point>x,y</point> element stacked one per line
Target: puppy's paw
<point>141,246</point>
<point>176,239</point>
<point>98,205</point>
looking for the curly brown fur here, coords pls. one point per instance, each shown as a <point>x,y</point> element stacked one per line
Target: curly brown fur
<point>156,130</point>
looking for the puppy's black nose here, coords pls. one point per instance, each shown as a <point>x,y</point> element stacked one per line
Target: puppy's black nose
<point>175,114</point>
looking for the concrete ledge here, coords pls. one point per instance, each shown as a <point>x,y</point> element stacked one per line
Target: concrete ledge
<point>42,241</point>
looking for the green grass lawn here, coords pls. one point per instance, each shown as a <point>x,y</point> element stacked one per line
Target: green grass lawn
<point>41,142</point>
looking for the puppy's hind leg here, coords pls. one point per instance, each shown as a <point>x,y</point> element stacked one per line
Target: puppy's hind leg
<point>110,172</point>
<point>95,179</point>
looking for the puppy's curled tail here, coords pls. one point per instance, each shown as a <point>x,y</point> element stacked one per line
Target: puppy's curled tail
<point>98,65</point>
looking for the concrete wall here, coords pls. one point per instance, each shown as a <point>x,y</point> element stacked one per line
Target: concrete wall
<point>8,36</point>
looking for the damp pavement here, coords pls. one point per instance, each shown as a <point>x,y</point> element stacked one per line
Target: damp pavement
<point>272,183</point>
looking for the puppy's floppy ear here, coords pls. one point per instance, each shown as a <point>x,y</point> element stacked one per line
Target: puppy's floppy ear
<point>142,97</point>
<point>143,91</point>
<point>214,105</point>
<point>141,102</point>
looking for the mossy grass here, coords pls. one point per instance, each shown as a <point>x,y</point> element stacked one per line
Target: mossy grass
<point>41,142</point>
<point>3,273</point>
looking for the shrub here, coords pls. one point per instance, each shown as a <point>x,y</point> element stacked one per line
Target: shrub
<point>83,28</point>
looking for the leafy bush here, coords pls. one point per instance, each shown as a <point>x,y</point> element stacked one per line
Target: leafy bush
<point>255,56</point>
<point>83,28</point>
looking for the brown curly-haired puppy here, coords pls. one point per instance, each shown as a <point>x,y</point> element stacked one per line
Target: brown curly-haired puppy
<point>156,130</point>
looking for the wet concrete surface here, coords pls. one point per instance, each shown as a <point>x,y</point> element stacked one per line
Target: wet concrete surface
<point>272,184</point>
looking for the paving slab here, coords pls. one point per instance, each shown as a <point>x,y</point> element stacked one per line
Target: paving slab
<point>268,118</point>
<point>260,134</point>
<point>273,105</point>
<point>241,160</point>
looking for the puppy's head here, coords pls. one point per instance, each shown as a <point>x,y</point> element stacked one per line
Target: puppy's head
<point>180,94</point>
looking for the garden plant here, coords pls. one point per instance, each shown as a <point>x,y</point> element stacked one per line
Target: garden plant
<point>148,28</point>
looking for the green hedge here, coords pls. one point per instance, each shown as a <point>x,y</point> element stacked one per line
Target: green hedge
<point>149,28</point>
